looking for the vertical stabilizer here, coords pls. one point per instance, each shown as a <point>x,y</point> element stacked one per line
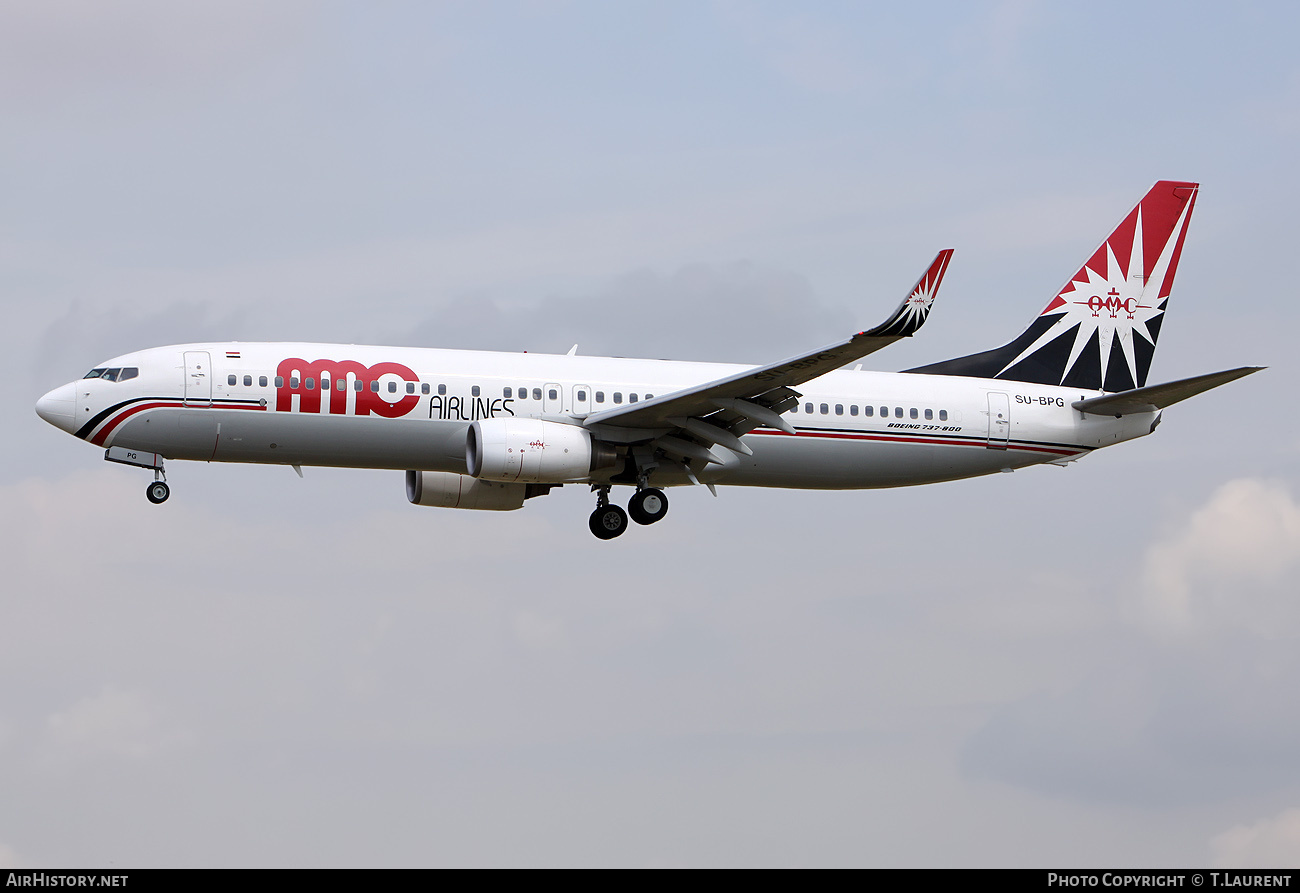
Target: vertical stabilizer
<point>1099,332</point>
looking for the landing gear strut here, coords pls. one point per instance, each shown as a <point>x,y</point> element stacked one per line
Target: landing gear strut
<point>608,520</point>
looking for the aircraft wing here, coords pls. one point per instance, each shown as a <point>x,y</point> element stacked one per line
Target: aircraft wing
<point>740,403</point>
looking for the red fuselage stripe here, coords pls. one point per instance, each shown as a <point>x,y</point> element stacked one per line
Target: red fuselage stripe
<point>100,436</point>
<point>900,438</point>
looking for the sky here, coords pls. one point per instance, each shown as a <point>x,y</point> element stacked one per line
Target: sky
<point>1090,666</point>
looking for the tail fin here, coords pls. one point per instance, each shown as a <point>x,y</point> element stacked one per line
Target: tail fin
<point>1099,332</point>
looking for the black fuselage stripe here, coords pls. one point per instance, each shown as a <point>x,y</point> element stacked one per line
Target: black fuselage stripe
<point>85,430</point>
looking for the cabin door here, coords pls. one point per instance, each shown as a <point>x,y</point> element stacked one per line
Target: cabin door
<point>198,378</point>
<point>999,420</point>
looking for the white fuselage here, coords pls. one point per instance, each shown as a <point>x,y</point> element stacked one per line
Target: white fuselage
<point>409,408</point>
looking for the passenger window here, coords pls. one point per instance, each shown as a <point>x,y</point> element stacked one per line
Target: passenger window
<point>311,384</point>
<point>807,407</point>
<point>128,373</point>
<point>898,412</point>
<point>868,411</point>
<point>392,387</point>
<point>442,389</point>
<point>248,381</point>
<point>506,392</point>
<point>649,396</point>
<point>374,387</point>
<point>600,396</point>
<point>912,412</point>
<point>261,381</point>
<point>474,391</point>
<point>943,415</point>
<point>551,393</point>
<point>424,388</point>
<point>293,382</point>
<point>279,381</point>
<point>853,409</point>
<point>230,379</point>
<point>582,395</point>
<point>631,398</point>
<point>839,409</point>
<point>929,414</point>
<point>410,387</point>
<point>825,408</point>
<point>340,384</point>
<point>618,396</point>
<point>357,385</point>
<point>537,393</point>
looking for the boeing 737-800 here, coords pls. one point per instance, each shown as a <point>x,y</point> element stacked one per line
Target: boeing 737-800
<point>484,430</point>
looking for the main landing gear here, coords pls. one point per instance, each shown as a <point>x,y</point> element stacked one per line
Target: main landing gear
<point>647,506</point>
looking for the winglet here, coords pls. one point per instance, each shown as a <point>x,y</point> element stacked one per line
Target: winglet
<point>911,314</point>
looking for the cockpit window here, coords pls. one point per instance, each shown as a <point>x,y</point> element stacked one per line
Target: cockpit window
<point>94,373</point>
<point>128,372</point>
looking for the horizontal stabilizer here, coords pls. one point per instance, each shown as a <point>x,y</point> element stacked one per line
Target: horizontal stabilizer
<point>1159,396</point>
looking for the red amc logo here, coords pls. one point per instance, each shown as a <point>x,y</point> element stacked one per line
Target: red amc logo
<point>1112,302</point>
<point>325,377</point>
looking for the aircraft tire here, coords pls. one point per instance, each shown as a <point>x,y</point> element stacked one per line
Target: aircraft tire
<point>608,522</point>
<point>157,492</point>
<point>648,506</point>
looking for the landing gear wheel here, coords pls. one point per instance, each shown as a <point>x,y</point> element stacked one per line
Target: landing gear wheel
<point>648,506</point>
<point>158,492</point>
<point>608,521</point>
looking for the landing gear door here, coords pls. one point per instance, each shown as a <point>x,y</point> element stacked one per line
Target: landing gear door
<point>999,420</point>
<point>198,378</point>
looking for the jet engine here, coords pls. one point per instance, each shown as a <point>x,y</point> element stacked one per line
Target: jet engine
<point>447,489</point>
<point>533,451</point>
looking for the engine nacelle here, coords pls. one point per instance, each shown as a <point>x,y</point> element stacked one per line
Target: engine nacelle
<point>533,451</point>
<point>446,489</point>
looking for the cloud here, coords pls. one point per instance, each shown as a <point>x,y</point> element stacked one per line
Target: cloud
<point>113,723</point>
<point>60,49</point>
<point>1269,843</point>
<point>1185,706</point>
<point>1230,564</point>
<point>738,312</point>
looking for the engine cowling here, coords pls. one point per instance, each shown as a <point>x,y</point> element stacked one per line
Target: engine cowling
<point>533,451</point>
<point>447,489</point>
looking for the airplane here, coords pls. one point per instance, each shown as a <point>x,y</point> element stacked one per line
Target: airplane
<point>490,430</point>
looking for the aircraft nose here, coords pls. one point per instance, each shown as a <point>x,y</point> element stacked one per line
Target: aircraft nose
<point>58,407</point>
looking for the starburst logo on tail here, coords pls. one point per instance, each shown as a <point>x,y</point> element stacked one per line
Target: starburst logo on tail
<point>1118,296</point>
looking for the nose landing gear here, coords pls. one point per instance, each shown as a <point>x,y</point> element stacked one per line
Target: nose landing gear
<point>158,491</point>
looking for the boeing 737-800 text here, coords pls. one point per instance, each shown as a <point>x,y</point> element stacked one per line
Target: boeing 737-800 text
<point>483,430</point>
